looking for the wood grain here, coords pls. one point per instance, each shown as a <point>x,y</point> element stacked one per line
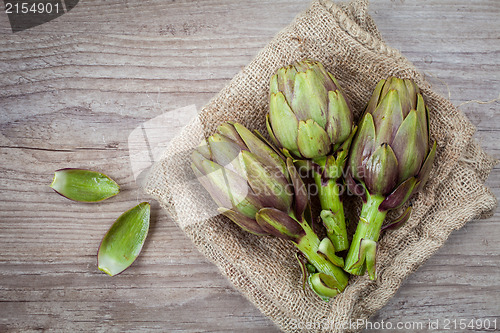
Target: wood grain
<point>71,92</point>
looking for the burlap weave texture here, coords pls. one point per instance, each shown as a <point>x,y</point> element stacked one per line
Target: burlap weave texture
<point>345,39</point>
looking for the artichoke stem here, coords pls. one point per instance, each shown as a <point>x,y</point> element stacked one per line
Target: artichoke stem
<point>309,245</point>
<point>334,221</point>
<point>370,223</point>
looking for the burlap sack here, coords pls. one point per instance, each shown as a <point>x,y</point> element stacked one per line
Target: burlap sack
<point>345,39</point>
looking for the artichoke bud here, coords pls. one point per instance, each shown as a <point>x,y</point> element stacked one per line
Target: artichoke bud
<point>312,139</point>
<point>267,183</point>
<point>319,283</point>
<point>398,222</point>
<point>333,167</point>
<point>245,223</point>
<point>382,170</point>
<point>309,116</point>
<point>339,126</point>
<point>390,158</point>
<point>300,191</point>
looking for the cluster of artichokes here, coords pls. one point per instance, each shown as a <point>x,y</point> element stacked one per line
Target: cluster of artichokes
<point>257,185</point>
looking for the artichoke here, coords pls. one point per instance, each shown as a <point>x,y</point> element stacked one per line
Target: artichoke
<point>311,121</point>
<point>261,191</point>
<point>390,159</point>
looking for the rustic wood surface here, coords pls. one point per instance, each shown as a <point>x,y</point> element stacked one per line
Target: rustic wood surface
<point>73,89</point>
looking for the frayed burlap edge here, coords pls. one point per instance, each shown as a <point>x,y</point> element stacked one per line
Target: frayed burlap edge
<point>345,38</point>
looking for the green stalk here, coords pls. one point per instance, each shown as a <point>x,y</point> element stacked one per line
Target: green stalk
<point>332,212</point>
<point>309,245</point>
<point>368,230</point>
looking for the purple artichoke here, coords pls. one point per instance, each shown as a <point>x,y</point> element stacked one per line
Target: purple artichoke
<point>261,191</point>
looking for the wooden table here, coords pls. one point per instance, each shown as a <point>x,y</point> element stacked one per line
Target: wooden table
<point>73,89</point>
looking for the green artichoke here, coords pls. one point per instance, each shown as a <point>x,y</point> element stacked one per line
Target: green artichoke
<point>390,159</point>
<point>311,121</point>
<point>261,191</point>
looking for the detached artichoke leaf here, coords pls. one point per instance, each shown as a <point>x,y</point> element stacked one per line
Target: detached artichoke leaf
<point>84,185</point>
<point>123,242</point>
